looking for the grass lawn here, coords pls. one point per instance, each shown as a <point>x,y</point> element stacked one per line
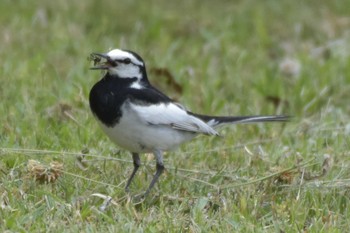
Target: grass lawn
<point>57,168</point>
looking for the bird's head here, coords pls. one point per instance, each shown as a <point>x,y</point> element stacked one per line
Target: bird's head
<point>121,63</point>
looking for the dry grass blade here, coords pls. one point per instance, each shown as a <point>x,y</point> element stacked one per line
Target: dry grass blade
<point>306,164</point>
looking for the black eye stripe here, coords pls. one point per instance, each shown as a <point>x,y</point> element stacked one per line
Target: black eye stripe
<point>125,61</point>
<point>113,63</point>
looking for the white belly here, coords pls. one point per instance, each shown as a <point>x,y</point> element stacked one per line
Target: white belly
<point>137,136</point>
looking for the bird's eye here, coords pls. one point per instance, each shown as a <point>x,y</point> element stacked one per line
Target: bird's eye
<point>127,61</point>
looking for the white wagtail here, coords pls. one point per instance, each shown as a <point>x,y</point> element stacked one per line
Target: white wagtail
<point>141,119</point>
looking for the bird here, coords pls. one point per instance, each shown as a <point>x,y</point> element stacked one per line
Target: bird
<point>139,118</point>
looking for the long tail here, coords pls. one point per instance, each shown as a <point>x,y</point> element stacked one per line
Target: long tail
<point>219,120</point>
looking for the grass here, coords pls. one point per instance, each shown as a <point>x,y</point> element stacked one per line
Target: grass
<point>226,56</point>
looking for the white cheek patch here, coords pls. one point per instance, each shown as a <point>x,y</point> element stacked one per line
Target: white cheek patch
<point>126,71</point>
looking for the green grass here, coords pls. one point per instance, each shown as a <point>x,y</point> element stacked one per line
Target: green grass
<point>226,57</point>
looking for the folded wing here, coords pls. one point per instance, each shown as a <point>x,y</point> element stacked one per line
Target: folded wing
<point>171,115</point>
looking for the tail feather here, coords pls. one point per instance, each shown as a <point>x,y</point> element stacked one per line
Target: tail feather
<point>218,120</point>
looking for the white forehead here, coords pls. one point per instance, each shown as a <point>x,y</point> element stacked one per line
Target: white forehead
<point>121,54</point>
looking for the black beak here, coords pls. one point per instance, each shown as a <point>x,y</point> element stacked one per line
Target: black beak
<point>96,57</point>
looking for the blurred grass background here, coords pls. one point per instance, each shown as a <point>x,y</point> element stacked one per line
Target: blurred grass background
<point>228,57</point>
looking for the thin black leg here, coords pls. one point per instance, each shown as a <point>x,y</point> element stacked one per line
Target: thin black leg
<point>137,163</point>
<point>159,171</point>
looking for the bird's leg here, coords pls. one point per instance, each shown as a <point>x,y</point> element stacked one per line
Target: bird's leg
<point>137,163</point>
<point>159,171</point>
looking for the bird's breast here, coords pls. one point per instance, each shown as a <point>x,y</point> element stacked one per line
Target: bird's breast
<point>105,103</point>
